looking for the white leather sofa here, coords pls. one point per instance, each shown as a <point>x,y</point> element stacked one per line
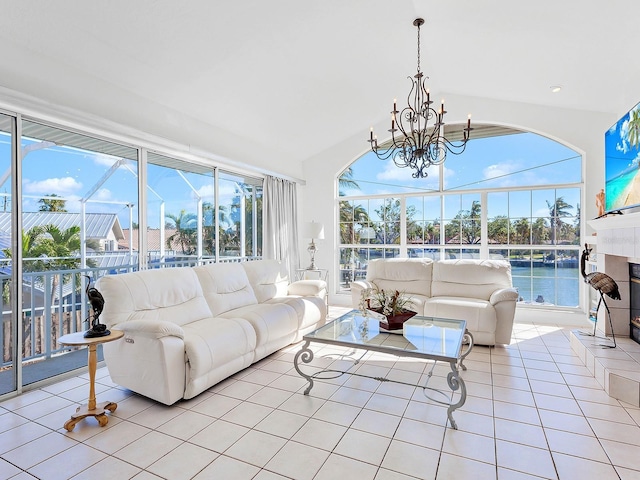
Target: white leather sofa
<point>478,291</point>
<point>187,329</point>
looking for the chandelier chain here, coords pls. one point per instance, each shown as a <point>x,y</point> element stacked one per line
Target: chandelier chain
<point>418,48</point>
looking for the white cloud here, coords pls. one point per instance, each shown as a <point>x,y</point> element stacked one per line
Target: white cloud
<point>63,187</point>
<point>498,170</point>
<point>391,172</point>
<point>103,194</point>
<point>206,191</point>
<point>102,159</point>
<point>541,212</point>
<point>402,176</point>
<point>623,145</point>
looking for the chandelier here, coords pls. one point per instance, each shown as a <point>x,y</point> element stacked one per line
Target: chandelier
<point>414,143</point>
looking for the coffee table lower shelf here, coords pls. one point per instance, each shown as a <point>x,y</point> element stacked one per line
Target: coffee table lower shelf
<point>454,380</point>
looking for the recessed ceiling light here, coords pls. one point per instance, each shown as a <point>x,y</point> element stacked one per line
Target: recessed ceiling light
<point>555,88</point>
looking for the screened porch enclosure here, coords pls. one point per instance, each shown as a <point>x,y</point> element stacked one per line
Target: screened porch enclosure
<point>88,207</point>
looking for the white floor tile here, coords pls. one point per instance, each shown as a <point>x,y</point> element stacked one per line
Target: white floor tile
<point>470,445</point>
<point>376,422</point>
<point>532,407</point>
<point>183,463</point>
<point>337,466</point>
<point>219,436</point>
<point>320,434</point>
<point>576,467</point>
<point>525,459</point>
<point>297,461</point>
<point>363,446</point>
<point>225,467</point>
<point>408,459</point>
<point>148,449</point>
<point>455,468</point>
<point>68,463</point>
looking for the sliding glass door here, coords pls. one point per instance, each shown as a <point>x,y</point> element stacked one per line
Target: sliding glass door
<point>9,339</point>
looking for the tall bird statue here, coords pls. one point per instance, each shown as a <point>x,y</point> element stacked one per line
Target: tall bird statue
<point>97,304</point>
<point>605,285</point>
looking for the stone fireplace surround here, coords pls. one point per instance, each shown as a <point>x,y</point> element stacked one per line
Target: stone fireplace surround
<point>617,243</point>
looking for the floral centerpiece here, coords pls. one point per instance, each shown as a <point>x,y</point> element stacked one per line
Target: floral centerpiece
<point>392,304</point>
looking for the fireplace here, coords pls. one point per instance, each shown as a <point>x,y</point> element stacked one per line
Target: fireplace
<point>634,301</point>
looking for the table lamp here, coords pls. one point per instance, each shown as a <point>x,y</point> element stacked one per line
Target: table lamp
<point>313,230</point>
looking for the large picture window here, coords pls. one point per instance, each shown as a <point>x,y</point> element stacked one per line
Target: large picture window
<point>502,198</point>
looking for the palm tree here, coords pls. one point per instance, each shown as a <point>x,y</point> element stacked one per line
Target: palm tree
<point>49,248</point>
<point>346,181</point>
<point>557,210</point>
<point>52,204</point>
<point>185,225</point>
<point>634,128</point>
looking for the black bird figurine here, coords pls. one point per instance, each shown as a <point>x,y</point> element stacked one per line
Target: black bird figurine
<point>97,304</point>
<point>605,285</point>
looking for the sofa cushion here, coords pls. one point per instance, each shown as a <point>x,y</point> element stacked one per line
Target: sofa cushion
<point>166,294</point>
<point>479,314</point>
<point>470,278</point>
<point>268,278</point>
<point>417,303</point>
<point>311,311</point>
<point>225,286</point>
<point>214,349</point>
<point>270,321</point>
<point>408,275</point>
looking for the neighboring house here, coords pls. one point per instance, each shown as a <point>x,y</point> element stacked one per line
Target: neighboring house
<point>103,227</point>
<point>153,240</point>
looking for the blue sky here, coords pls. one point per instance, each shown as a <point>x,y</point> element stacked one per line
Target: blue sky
<point>72,174</point>
<point>513,160</point>
<point>524,159</point>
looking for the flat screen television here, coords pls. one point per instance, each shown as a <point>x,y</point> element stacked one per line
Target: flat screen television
<point>622,162</point>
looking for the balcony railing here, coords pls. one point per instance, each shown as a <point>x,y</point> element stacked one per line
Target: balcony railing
<point>55,304</point>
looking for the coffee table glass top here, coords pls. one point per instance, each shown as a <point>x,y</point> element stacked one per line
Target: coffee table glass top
<point>437,338</point>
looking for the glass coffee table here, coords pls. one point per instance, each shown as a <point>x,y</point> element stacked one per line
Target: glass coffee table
<point>426,338</point>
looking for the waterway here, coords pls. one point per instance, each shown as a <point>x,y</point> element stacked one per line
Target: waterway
<point>547,285</point>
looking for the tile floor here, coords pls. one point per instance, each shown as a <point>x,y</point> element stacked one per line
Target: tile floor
<point>533,411</point>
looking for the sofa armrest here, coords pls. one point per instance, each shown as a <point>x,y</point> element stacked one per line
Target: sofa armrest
<point>308,288</point>
<point>504,295</point>
<point>151,329</point>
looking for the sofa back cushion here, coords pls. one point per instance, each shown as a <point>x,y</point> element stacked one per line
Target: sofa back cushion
<point>268,278</point>
<point>408,275</point>
<point>166,294</point>
<point>225,286</point>
<point>470,278</point>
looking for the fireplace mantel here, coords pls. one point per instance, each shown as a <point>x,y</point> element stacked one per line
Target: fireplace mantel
<point>617,243</point>
<point>618,234</point>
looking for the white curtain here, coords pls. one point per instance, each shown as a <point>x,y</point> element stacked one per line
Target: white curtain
<point>280,223</point>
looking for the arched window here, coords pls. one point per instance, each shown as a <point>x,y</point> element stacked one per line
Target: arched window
<point>511,194</point>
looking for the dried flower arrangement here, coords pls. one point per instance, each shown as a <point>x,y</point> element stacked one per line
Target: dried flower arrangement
<point>392,304</point>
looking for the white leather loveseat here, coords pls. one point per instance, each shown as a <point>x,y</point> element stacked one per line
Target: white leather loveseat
<point>478,291</point>
<point>187,329</point>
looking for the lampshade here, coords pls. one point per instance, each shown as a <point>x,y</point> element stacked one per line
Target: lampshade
<point>313,230</point>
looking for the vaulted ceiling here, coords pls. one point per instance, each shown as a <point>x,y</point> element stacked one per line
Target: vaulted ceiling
<point>276,82</point>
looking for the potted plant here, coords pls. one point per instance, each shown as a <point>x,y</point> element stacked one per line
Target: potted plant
<point>392,304</point>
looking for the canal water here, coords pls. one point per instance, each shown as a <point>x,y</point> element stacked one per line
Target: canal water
<point>547,285</point>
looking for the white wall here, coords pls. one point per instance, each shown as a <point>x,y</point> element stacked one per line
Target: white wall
<point>582,131</point>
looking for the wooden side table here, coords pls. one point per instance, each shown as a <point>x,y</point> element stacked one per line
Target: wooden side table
<point>91,409</point>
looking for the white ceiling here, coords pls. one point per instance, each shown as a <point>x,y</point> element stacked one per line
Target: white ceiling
<point>295,77</point>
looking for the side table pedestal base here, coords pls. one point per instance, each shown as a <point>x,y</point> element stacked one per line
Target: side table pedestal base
<point>100,412</point>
